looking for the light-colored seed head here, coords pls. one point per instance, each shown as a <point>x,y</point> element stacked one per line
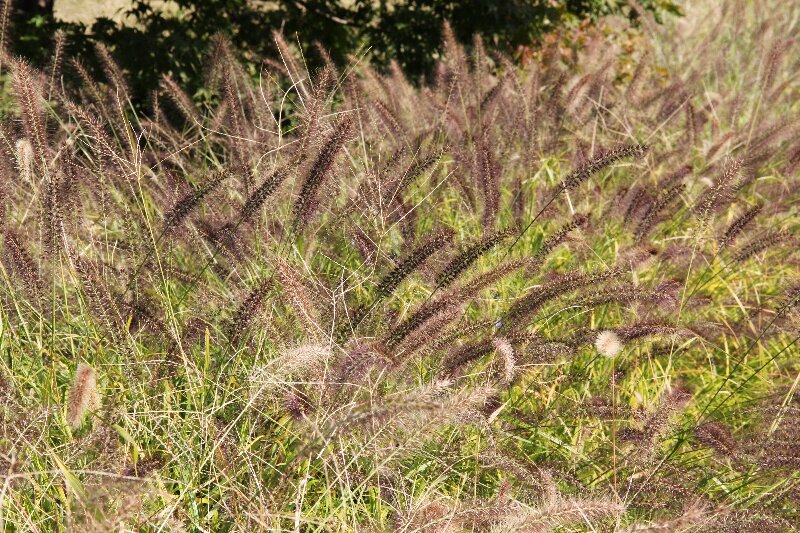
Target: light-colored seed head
<point>608,343</point>
<point>506,352</point>
<point>304,362</point>
<point>83,395</point>
<point>25,156</point>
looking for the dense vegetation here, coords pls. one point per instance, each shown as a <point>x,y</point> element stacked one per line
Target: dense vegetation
<point>151,41</point>
<point>563,296</point>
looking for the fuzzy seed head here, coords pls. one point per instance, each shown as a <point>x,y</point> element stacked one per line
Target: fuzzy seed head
<point>282,374</point>
<point>608,343</point>
<point>25,157</point>
<point>506,352</point>
<point>82,395</point>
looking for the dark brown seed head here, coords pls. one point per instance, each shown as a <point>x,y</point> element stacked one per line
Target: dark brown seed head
<point>308,200</point>
<point>598,163</point>
<point>264,191</point>
<point>462,261</point>
<point>412,261</point>
<point>190,201</point>
<point>738,225</point>
<point>19,261</point>
<point>29,97</point>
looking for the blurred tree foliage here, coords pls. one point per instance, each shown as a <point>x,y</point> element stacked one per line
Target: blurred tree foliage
<point>153,41</point>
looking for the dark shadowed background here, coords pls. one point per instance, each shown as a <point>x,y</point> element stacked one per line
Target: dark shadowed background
<point>151,37</point>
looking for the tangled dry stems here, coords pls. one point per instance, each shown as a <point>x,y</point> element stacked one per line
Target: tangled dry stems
<point>306,316</point>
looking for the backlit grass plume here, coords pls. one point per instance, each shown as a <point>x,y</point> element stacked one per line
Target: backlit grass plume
<point>608,343</point>
<point>82,396</point>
